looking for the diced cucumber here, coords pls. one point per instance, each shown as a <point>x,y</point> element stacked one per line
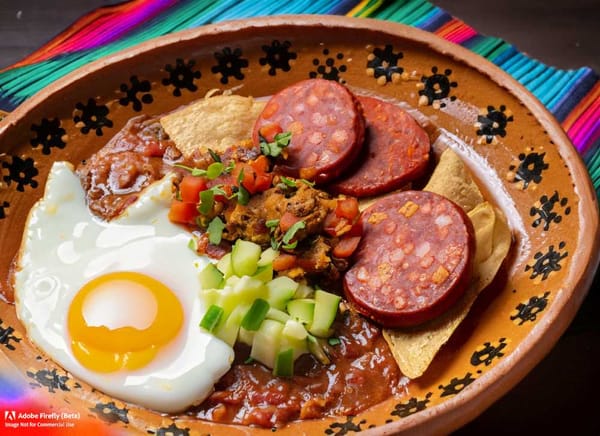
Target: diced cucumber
<point>267,257</point>
<point>246,336</point>
<point>231,281</point>
<point>255,315</point>
<point>211,318</point>
<point>224,265</point>
<point>284,363</point>
<point>299,346</point>
<point>295,330</point>
<point>264,273</point>
<point>228,330</point>
<point>281,290</point>
<point>315,347</point>
<point>304,291</point>
<point>244,257</point>
<point>248,289</point>
<point>210,277</point>
<point>210,296</point>
<point>277,315</point>
<point>326,307</point>
<point>302,310</point>
<point>265,345</point>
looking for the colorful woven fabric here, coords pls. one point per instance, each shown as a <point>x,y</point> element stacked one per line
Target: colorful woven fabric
<point>573,96</point>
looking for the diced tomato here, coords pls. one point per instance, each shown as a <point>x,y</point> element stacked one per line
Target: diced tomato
<point>346,246</point>
<point>356,230</point>
<point>347,208</point>
<point>153,149</point>
<point>263,182</point>
<point>287,220</point>
<point>334,225</point>
<point>260,164</point>
<point>284,261</point>
<point>190,188</point>
<point>269,131</point>
<point>182,212</point>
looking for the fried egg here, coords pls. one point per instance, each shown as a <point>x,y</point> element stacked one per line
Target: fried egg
<point>116,303</point>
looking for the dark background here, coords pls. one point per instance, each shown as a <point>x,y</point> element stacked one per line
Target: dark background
<point>560,396</point>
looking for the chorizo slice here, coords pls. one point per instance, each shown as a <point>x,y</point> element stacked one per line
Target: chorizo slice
<point>327,127</point>
<point>414,259</point>
<point>396,151</point>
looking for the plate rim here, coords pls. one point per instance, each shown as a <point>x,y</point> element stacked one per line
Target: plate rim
<point>457,411</point>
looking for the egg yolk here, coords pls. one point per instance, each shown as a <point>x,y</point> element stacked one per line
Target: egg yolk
<point>121,320</point>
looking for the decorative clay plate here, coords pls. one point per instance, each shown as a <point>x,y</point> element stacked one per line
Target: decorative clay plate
<point>517,151</point>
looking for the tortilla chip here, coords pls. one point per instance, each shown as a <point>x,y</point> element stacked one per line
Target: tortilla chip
<point>216,122</point>
<point>452,180</point>
<point>414,349</point>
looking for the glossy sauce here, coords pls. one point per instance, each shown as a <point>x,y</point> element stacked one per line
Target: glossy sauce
<point>362,373</point>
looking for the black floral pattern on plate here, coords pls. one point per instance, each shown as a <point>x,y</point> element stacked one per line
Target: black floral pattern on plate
<point>49,134</point>
<point>528,311</point>
<point>382,64</point>
<point>141,87</point>
<point>181,76</point>
<point>92,117</point>
<point>229,64</point>
<point>433,89</point>
<point>329,70</point>
<point>277,56</point>
<point>22,171</point>
<point>491,124</point>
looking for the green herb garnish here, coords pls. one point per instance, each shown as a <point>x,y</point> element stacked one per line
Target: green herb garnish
<point>274,149</point>
<point>215,230</point>
<point>214,170</point>
<point>214,155</point>
<point>207,201</point>
<point>291,232</point>
<point>288,182</point>
<point>334,341</point>
<point>243,196</point>
<point>272,223</point>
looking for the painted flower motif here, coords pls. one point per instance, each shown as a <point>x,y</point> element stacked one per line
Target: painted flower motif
<point>528,169</point>
<point>131,93</point>
<point>545,212</point>
<point>411,407</point>
<point>7,336</point>
<point>488,353</point>
<point>51,380</point>
<point>49,134</point>
<point>110,413</point>
<point>528,311</point>
<point>229,64</point>
<point>491,124</point>
<point>21,171</point>
<point>181,76</point>
<point>329,70</point>
<point>435,88</point>
<point>545,264</point>
<point>277,56</point>
<point>382,64</point>
<point>456,385</point>
<point>92,117</point>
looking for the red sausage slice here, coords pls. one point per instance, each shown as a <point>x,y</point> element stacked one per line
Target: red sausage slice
<point>414,259</point>
<point>327,128</point>
<point>396,151</point>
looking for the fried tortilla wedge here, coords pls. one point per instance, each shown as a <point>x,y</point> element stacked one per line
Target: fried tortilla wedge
<point>216,122</point>
<point>415,348</point>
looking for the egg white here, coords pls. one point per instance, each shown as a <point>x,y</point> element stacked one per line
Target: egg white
<point>64,246</point>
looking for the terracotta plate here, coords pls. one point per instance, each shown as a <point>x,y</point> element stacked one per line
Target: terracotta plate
<point>516,149</point>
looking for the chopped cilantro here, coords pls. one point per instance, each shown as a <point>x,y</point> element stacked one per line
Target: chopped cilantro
<point>334,341</point>
<point>274,149</point>
<point>193,244</point>
<point>288,182</point>
<point>272,223</point>
<point>291,232</point>
<point>243,196</point>
<point>215,230</point>
<point>207,200</point>
<point>214,155</point>
<point>308,182</point>
<point>214,170</point>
